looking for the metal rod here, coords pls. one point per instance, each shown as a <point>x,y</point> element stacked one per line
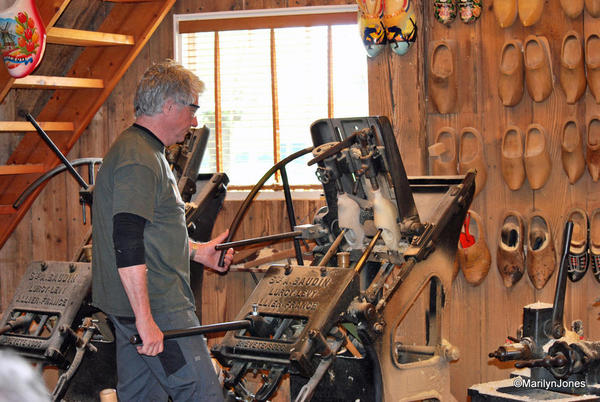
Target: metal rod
<point>202,329</point>
<point>363,258</point>
<point>334,246</point>
<point>255,240</point>
<point>290,211</point>
<point>55,149</point>
<point>558,329</point>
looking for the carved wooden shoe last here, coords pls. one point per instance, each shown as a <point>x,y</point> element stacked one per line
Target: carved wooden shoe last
<point>572,157</point>
<point>444,153</point>
<point>25,40</point>
<point>592,63</point>
<point>572,8</point>
<point>475,260</point>
<point>537,160</point>
<point>471,156</point>
<point>578,258</point>
<point>530,11</point>
<point>505,12</point>
<point>572,72</point>
<point>538,67</point>
<point>593,148</point>
<point>510,255</point>
<point>541,257</point>
<point>442,73</point>
<point>513,169</point>
<point>510,83</point>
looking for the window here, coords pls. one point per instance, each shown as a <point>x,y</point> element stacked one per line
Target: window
<point>268,77</point>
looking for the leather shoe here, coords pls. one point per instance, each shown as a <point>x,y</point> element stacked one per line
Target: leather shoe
<point>530,11</point>
<point>572,8</point>
<point>471,156</point>
<point>513,169</point>
<point>593,148</point>
<point>510,255</point>
<point>538,67</point>
<point>475,260</point>
<point>577,257</point>
<point>444,153</point>
<point>537,160</point>
<point>541,257</point>
<point>592,63</point>
<point>442,75</point>
<point>510,83</point>
<point>572,74</point>
<point>572,151</point>
<point>594,244</point>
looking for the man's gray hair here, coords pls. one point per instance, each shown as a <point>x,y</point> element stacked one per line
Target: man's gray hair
<point>162,81</point>
<point>19,381</point>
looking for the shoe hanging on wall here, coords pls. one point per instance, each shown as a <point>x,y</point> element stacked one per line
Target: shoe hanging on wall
<point>578,258</point>
<point>400,24</point>
<point>541,257</point>
<point>513,168</point>
<point>572,157</point>
<point>444,11</point>
<point>474,256</point>
<point>442,75</point>
<point>510,255</point>
<point>505,12</point>
<point>22,38</point>
<point>443,152</point>
<point>471,156</point>
<point>537,160</point>
<point>594,244</point>
<point>592,155</point>
<point>572,72</point>
<point>572,8</point>
<point>592,63</point>
<point>469,10</point>
<point>510,82</point>
<point>538,67</point>
<point>370,25</point>
<point>530,11</point>
<point>593,7</point>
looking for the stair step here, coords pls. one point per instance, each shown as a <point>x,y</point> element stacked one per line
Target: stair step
<point>12,126</point>
<point>51,82</point>
<point>78,37</point>
<point>26,168</point>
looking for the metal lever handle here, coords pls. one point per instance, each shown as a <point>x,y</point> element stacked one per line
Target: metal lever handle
<point>199,330</point>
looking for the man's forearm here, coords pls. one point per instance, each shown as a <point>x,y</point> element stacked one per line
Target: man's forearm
<point>135,283</point>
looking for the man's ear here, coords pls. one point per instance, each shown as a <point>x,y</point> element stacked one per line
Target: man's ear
<point>168,106</point>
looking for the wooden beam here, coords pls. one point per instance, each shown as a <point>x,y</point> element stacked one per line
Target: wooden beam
<point>13,126</point>
<point>78,37</point>
<point>22,169</point>
<point>48,82</point>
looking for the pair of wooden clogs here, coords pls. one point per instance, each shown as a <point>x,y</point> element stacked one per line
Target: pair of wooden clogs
<point>529,11</point>
<point>468,10</point>
<point>573,160</point>
<point>574,8</point>
<point>390,21</point>
<point>584,248</point>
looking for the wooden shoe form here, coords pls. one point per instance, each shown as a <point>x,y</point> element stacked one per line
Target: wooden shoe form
<point>538,67</point>
<point>592,63</point>
<point>541,257</point>
<point>530,11</point>
<point>505,12</point>
<point>445,162</point>
<point>513,169</point>
<point>593,7</point>
<point>572,8</point>
<point>537,160</point>
<point>572,73</point>
<point>510,254</point>
<point>475,260</point>
<point>471,156</point>
<point>572,151</point>
<point>578,259</point>
<point>592,156</point>
<point>370,25</point>
<point>442,76</point>
<point>400,25</point>
<point>510,83</point>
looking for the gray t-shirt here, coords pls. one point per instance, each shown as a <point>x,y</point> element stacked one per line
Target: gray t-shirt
<point>135,178</point>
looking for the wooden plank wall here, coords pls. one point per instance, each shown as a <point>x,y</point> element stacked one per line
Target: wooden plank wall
<point>478,319</point>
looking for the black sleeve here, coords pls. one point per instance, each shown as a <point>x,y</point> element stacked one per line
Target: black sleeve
<point>128,239</point>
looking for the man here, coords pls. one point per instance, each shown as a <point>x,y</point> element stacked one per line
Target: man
<point>141,249</point>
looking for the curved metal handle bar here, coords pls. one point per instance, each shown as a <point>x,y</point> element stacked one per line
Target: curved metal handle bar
<point>50,174</point>
<point>244,207</point>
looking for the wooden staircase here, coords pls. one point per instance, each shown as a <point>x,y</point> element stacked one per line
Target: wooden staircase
<point>105,56</point>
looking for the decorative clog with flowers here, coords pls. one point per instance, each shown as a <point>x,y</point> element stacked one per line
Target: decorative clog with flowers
<point>444,11</point>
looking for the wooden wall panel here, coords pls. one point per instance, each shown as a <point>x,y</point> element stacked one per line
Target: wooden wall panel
<point>478,319</point>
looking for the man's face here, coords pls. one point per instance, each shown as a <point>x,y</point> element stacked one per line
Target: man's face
<point>184,118</point>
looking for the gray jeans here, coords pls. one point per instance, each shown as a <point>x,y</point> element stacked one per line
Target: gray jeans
<point>182,371</point>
